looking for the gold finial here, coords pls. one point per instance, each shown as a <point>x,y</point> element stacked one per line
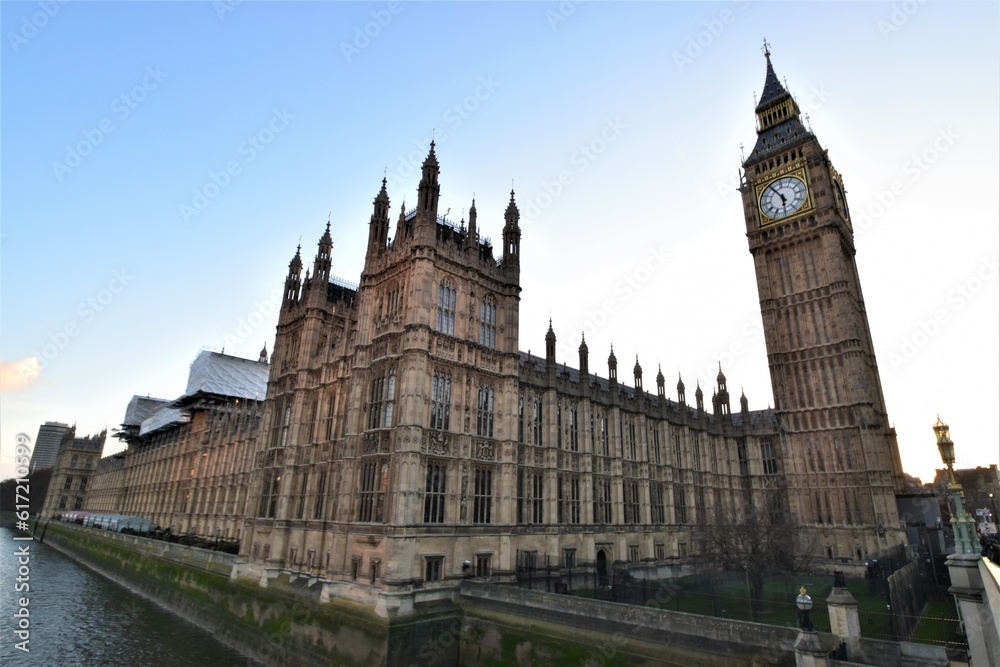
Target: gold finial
<point>802,591</point>
<point>766,49</point>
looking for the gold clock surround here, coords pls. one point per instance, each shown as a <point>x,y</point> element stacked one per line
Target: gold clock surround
<point>798,172</point>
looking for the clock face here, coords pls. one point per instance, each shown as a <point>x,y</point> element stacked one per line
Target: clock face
<point>838,193</point>
<point>783,197</point>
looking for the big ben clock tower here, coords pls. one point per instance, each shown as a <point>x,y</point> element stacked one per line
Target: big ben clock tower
<point>842,461</point>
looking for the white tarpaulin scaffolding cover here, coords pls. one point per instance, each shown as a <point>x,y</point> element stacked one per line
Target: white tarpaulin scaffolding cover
<point>140,408</point>
<point>215,373</point>
<point>211,373</point>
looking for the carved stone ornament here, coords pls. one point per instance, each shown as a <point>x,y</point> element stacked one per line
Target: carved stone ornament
<point>371,443</point>
<point>439,443</point>
<point>484,450</point>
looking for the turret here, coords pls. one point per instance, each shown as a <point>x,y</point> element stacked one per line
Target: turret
<point>744,405</point>
<point>429,189</point>
<point>680,391</point>
<point>723,393</point>
<point>511,233</point>
<point>637,374</point>
<point>661,391</point>
<point>293,282</point>
<point>402,230</point>
<point>584,355</point>
<point>699,398</point>
<point>550,347</point>
<point>321,266</point>
<point>612,367</point>
<point>378,226</point>
<point>263,354</point>
<point>472,238</point>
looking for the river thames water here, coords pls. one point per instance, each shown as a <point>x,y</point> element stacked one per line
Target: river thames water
<point>79,618</point>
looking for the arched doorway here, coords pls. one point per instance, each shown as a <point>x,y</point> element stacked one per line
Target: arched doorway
<point>602,568</point>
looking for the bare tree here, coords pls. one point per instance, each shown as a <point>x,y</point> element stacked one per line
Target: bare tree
<point>756,537</point>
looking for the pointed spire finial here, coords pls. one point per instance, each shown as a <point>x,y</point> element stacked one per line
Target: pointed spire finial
<point>766,49</point>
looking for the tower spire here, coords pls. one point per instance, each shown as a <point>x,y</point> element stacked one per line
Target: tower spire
<point>378,226</point>
<point>321,266</point>
<point>293,282</point>
<point>473,232</point>
<point>778,125</point>
<point>429,190</point>
<point>511,232</point>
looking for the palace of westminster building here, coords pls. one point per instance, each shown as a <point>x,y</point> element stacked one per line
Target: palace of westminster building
<point>398,437</point>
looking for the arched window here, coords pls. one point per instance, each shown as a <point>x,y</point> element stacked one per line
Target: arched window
<point>446,308</point>
<point>484,416</point>
<point>434,495</point>
<point>488,322</point>
<point>441,400</point>
<point>285,424</point>
<point>381,400</point>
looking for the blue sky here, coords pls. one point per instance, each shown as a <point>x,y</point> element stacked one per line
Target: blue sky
<point>161,161</point>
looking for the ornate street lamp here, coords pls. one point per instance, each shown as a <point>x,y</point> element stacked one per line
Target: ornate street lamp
<point>993,511</point>
<point>804,603</point>
<point>961,523</point>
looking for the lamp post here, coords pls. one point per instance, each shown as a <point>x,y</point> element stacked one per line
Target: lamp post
<point>961,523</point>
<point>993,510</point>
<point>804,603</point>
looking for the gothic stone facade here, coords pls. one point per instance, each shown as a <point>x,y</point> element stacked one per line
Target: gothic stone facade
<point>188,462</point>
<point>76,463</point>
<point>407,441</point>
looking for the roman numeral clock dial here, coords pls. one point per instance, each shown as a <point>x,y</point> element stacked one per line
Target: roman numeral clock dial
<point>782,197</point>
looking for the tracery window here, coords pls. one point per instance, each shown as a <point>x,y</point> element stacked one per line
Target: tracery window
<point>488,322</point>
<point>441,400</point>
<point>484,411</point>
<point>447,296</point>
<point>434,493</point>
<point>382,400</point>
<point>372,490</point>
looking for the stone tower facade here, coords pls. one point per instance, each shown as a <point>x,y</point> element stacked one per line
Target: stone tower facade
<point>75,465</point>
<point>843,465</point>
